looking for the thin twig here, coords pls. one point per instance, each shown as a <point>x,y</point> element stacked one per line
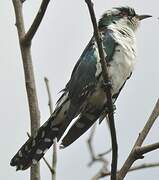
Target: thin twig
<point>36,23</point>
<point>54,158</point>
<point>48,165</point>
<point>133,156</point>
<point>94,157</point>
<point>105,153</point>
<point>107,86</point>
<point>143,134</point>
<point>29,80</point>
<point>102,174</point>
<point>50,104</point>
<point>89,141</point>
<point>146,149</point>
<point>98,157</point>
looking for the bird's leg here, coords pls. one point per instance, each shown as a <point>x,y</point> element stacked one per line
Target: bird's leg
<point>106,85</point>
<point>106,109</point>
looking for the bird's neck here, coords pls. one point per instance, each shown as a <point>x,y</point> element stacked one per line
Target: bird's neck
<point>123,34</point>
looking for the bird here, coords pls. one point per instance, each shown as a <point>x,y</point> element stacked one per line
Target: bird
<point>84,99</point>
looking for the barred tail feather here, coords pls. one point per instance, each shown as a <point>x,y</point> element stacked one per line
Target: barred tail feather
<point>35,147</point>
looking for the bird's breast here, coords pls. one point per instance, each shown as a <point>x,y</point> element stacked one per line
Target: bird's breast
<point>122,65</point>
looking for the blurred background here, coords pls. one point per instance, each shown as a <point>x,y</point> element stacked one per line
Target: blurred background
<point>59,42</point>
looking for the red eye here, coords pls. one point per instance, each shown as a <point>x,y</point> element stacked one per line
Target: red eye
<point>123,13</point>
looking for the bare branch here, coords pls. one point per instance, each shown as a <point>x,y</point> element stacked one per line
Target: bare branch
<point>133,156</point>
<point>148,125</point>
<point>102,174</point>
<point>89,141</point>
<point>105,153</point>
<point>96,158</point>
<point>107,86</point>
<point>36,23</point>
<point>50,104</point>
<point>146,149</point>
<point>54,158</point>
<point>144,166</point>
<point>48,165</point>
<point>137,151</point>
<point>29,80</point>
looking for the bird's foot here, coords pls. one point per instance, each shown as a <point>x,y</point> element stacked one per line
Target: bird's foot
<point>112,109</point>
<point>106,85</point>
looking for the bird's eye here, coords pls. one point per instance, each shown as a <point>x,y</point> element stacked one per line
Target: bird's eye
<point>123,14</point>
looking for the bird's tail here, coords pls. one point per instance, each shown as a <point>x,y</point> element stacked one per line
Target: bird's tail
<point>35,147</point>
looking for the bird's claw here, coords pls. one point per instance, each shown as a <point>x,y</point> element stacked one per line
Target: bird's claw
<point>106,85</point>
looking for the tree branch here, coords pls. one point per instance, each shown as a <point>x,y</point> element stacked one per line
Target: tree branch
<point>146,149</point>
<point>25,47</point>
<point>29,80</point>
<point>48,165</point>
<point>36,23</point>
<point>107,86</point>
<point>133,156</point>
<point>89,142</point>
<point>137,151</point>
<point>50,104</point>
<point>102,174</point>
<point>54,158</point>
<point>94,157</point>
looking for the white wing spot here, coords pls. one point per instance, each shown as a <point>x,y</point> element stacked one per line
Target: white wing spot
<point>20,154</point>
<point>39,151</point>
<point>43,134</point>
<point>34,161</point>
<point>98,69</point>
<point>47,140</point>
<point>33,143</point>
<point>34,136</point>
<point>26,148</point>
<point>55,128</point>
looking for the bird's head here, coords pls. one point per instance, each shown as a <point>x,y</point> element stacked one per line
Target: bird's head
<point>123,15</point>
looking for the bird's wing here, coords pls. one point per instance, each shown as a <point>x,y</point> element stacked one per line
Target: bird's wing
<point>86,73</point>
<point>83,77</point>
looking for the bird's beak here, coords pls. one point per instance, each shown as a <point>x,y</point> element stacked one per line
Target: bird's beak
<point>141,17</point>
